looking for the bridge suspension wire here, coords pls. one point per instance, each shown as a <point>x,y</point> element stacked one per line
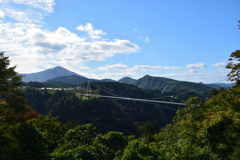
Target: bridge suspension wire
<point>105,90</point>
<point>160,106</point>
<point>135,99</point>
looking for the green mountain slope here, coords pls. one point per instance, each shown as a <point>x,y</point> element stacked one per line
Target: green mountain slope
<point>168,85</point>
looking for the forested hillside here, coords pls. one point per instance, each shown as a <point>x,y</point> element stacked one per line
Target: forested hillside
<point>167,85</point>
<point>128,117</point>
<point>125,116</point>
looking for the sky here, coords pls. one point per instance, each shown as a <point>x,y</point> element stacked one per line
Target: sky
<point>188,40</point>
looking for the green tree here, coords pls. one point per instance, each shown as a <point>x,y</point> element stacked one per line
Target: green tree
<point>30,143</point>
<point>50,128</point>
<point>234,65</point>
<point>137,150</point>
<point>214,92</point>
<point>110,144</point>
<point>13,106</point>
<point>14,112</point>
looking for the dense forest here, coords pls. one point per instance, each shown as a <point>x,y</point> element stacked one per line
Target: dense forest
<point>118,129</point>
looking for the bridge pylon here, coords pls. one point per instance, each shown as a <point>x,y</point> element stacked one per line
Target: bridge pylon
<point>88,89</point>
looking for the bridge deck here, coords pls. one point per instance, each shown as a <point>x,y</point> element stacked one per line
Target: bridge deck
<point>134,99</point>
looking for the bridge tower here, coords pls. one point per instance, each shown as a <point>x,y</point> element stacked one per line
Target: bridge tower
<point>88,89</point>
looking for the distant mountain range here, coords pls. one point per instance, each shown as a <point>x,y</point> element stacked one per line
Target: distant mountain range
<point>149,83</point>
<point>219,85</point>
<point>73,79</point>
<point>60,74</point>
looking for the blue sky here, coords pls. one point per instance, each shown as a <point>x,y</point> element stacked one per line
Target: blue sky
<point>184,40</point>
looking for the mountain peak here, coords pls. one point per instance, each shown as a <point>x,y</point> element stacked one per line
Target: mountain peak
<point>49,74</point>
<point>57,67</point>
<point>127,80</point>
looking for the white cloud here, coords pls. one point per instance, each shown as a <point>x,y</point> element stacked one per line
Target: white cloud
<point>117,75</point>
<point>33,48</point>
<point>147,39</point>
<point>114,67</point>
<point>193,68</point>
<point>94,34</point>
<point>200,65</point>
<point>220,64</point>
<point>210,77</point>
<point>120,70</point>
<point>60,47</point>
<point>17,15</point>
<point>135,29</point>
<point>136,68</point>
<point>146,68</point>
<point>44,5</point>
<point>26,10</point>
<point>1,14</point>
<point>100,50</point>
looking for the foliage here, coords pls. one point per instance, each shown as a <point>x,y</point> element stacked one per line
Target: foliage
<point>207,130</point>
<point>110,144</point>
<point>80,135</point>
<point>30,143</point>
<point>51,130</point>
<point>214,92</point>
<point>19,140</point>
<point>12,105</point>
<point>122,116</point>
<point>234,65</point>
<point>137,150</point>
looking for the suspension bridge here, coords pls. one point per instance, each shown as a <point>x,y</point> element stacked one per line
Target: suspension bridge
<point>116,97</point>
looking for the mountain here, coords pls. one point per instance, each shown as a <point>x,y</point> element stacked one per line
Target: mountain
<point>127,80</point>
<point>48,74</point>
<point>168,85</point>
<point>73,79</point>
<point>107,80</point>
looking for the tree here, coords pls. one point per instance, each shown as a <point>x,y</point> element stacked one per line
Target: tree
<point>30,143</point>
<point>9,80</point>
<point>214,92</point>
<point>13,105</point>
<point>234,65</point>
<point>13,111</point>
